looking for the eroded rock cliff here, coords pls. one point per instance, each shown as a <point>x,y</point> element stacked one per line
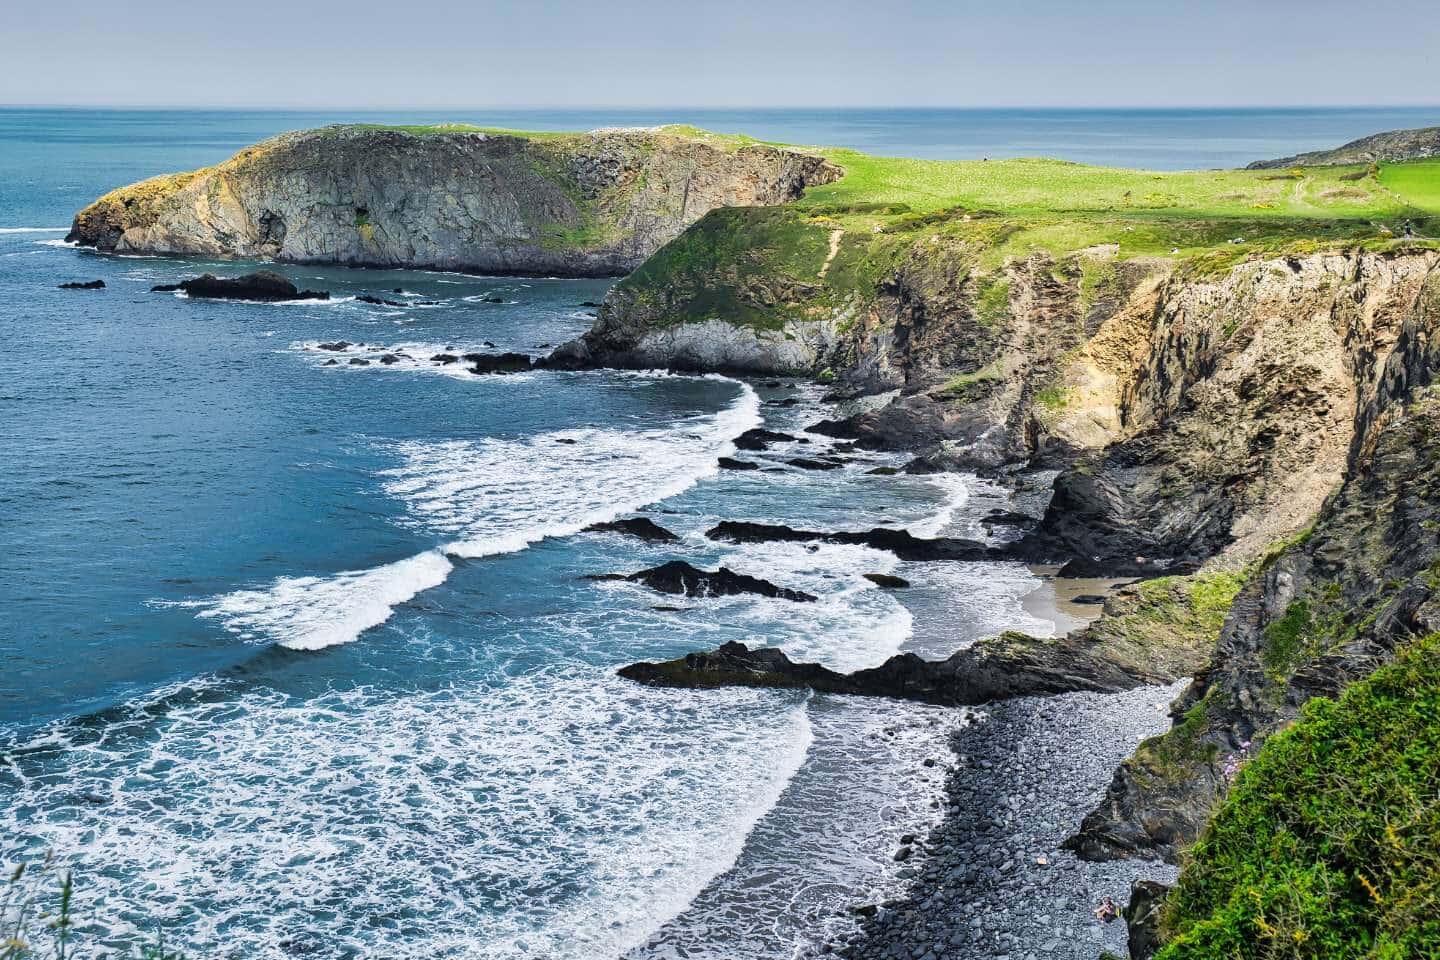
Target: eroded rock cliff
<point>594,204</point>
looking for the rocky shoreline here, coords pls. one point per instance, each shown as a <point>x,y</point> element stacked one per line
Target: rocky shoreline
<point>992,879</point>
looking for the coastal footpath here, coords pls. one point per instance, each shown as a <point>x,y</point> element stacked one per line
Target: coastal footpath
<point>1229,375</point>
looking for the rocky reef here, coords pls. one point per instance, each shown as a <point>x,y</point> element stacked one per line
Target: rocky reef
<point>450,197</point>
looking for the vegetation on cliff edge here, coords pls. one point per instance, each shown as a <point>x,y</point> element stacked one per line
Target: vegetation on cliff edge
<point>1328,845</point>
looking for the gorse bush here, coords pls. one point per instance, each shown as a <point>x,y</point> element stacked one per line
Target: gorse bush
<point>1329,843</point>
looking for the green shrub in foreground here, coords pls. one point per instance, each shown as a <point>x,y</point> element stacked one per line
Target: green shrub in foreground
<point>1329,843</point>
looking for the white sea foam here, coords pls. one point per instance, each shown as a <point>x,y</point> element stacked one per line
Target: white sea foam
<point>57,243</point>
<point>555,815</point>
<point>954,488</point>
<point>491,497</point>
<point>497,496</point>
<point>311,613</point>
<point>851,625</point>
<point>34,229</point>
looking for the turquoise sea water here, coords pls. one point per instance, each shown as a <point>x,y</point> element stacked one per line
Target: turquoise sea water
<point>297,658</point>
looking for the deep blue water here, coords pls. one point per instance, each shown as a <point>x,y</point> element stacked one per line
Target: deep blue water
<point>297,657</point>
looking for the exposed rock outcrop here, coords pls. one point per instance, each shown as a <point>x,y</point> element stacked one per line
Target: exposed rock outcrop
<point>262,286</point>
<point>593,204</point>
<point>1010,665</point>
<point>1392,146</point>
<point>679,577</point>
<point>642,527</point>
<point>1326,610</point>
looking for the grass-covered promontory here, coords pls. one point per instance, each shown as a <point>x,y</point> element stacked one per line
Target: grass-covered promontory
<point>763,267</point>
<point>1328,845</point>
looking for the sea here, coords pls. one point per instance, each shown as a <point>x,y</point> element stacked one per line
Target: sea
<point>299,658</point>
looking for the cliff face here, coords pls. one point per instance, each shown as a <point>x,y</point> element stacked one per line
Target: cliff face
<point>567,204</point>
<point>1199,411</point>
<point>1204,419</point>
<point>1328,609</point>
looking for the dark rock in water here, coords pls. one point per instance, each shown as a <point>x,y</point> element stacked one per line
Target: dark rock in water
<point>903,854</point>
<point>1007,518</point>
<point>335,345</point>
<point>677,576</point>
<point>662,608</point>
<point>483,363</point>
<point>787,402</point>
<point>646,529</point>
<point>389,359</point>
<point>567,441</point>
<point>588,303</point>
<point>1142,916</point>
<point>902,543</point>
<point>490,299</point>
<point>843,448</point>
<point>1010,665</point>
<point>806,464</point>
<point>264,286</point>
<point>729,463</point>
<point>759,439</point>
<point>887,581</point>
<point>398,290</point>
<point>359,362</point>
<point>368,298</point>
<point>445,358</point>
<point>165,288</point>
<point>839,429</point>
<point>84,285</point>
<point>772,384</point>
<point>330,363</point>
<point>883,471</point>
<point>487,344</point>
<point>1088,599</point>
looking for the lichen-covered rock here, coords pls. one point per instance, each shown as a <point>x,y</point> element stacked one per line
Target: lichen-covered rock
<point>593,204</point>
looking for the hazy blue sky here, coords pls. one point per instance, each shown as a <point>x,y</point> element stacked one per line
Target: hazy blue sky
<point>454,53</point>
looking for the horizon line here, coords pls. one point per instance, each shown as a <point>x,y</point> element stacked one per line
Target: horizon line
<point>752,107</point>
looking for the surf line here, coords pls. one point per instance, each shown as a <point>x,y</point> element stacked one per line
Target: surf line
<point>313,613</point>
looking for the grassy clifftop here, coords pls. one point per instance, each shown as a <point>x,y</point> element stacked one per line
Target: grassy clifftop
<point>1329,843</point>
<point>763,268</point>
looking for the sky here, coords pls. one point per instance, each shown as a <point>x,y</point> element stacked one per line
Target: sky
<point>717,53</point>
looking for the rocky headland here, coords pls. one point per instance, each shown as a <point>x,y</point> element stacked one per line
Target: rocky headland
<point>450,197</point>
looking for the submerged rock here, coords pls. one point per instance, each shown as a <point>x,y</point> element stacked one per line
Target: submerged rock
<point>83,285</point>
<point>370,298</point>
<point>335,345</point>
<point>262,286</point>
<point>642,527</point>
<point>679,577</point>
